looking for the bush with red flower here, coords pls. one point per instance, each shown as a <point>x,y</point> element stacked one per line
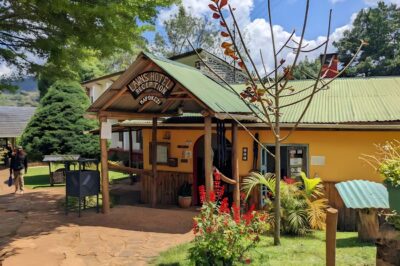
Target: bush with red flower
<point>222,235</point>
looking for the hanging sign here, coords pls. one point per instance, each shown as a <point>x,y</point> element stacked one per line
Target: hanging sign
<point>106,130</point>
<point>151,81</point>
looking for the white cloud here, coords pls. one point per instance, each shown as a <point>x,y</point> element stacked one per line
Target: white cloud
<point>258,33</point>
<point>5,70</point>
<point>260,38</point>
<point>336,1</point>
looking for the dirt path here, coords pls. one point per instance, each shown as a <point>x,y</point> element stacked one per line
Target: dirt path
<point>35,231</point>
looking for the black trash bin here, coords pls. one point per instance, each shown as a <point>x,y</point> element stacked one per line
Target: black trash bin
<point>82,183</point>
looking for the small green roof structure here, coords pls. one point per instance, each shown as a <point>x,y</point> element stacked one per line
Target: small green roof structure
<point>366,197</point>
<point>362,194</point>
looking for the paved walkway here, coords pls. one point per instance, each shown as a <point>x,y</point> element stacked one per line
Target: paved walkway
<point>35,231</point>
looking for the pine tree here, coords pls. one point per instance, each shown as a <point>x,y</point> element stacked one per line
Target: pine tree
<point>58,126</point>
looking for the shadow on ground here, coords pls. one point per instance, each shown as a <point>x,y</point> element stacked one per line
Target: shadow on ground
<point>351,242</point>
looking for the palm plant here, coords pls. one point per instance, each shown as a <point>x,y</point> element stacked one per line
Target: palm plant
<point>256,179</point>
<point>302,203</point>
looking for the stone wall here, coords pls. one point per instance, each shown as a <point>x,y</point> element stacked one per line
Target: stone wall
<point>225,70</point>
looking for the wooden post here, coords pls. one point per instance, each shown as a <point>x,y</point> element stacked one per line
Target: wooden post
<point>208,154</point>
<point>104,171</point>
<point>331,226</point>
<point>130,153</point>
<point>235,164</point>
<point>154,162</point>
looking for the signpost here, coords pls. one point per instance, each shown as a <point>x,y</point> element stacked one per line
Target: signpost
<point>156,82</point>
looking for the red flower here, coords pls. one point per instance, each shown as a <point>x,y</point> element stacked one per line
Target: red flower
<point>242,196</point>
<point>289,180</point>
<point>248,216</point>
<point>202,192</point>
<point>247,261</point>
<point>195,227</point>
<point>212,196</point>
<point>217,175</point>
<point>220,192</point>
<point>224,207</point>
<point>236,213</point>
<point>263,217</point>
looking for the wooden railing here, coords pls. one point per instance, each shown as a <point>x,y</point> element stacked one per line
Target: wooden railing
<point>168,184</point>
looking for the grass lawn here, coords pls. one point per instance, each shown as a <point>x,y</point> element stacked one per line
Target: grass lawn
<point>293,251</point>
<point>39,177</point>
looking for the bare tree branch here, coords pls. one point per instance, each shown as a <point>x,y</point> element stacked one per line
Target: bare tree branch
<point>247,130</point>
<point>227,84</point>
<point>328,82</point>
<point>287,41</point>
<point>316,82</point>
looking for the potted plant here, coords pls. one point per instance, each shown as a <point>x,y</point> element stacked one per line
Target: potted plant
<point>185,195</point>
<point>387,162</point>
<point>390,169</point>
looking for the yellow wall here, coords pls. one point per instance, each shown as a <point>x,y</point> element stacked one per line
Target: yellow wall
<point>340,148</point>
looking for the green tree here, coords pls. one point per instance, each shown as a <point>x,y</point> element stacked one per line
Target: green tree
<point>379,26</point>
<point>33,31</point>
<point>307,69</point>
<point>90,66</point>
<point>59,126</point>
<point>182,26</point>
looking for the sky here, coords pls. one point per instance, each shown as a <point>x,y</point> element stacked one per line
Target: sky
<point>287,15</point>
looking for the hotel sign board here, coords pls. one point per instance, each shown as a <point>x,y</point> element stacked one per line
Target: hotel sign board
<point>156,85</point>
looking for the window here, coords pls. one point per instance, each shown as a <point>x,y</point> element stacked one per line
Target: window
<point>162,152</point>
<point>294,160</point>
<point>121,136</point>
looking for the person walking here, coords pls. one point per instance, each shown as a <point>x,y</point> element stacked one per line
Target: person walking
<point>19,167</point>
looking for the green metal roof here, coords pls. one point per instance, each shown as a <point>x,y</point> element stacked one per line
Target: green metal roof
<point>347,100</point>
<point>362,194</point>
<point>208,91</point>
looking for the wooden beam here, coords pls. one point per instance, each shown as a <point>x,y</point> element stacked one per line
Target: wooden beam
<point>128,170</point>
<point>114,98</point>
<point>208,155</point>
<point>104,172</point>
<point>166,106</point>
<point>144,106</point>
<point>154,162</point>
<point>178,93</point>
<point>127,115</point>
<point>180,99</point>
<point>235,164</point>
<point>130,152</point>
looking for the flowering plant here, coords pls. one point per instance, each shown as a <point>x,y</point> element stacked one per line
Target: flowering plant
<point>222,234</point>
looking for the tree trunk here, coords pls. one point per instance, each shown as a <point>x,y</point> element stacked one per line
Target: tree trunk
<point>277,201</point>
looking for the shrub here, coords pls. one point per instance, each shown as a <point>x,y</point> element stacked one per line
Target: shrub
<point>222,234</point>
<point>302,206</point>
<point>59,126</point>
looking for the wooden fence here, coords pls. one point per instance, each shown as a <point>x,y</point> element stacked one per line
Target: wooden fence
<point>347,219</point>
<point>168,184</point>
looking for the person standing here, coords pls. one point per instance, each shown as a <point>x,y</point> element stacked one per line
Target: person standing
<point>19,167</point>
<point>9,151</point>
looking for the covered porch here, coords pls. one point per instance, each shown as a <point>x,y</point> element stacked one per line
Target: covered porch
<point>152,89</point>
